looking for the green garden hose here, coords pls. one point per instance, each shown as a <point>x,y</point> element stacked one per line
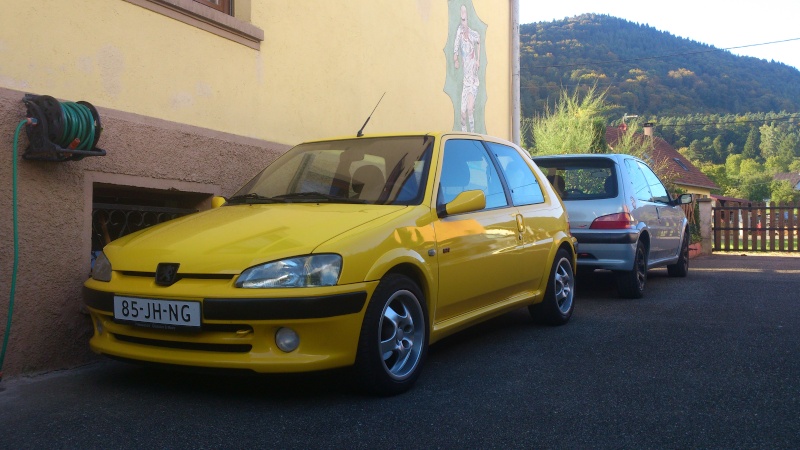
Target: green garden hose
<point>16,241</point>
<point>78,126</point>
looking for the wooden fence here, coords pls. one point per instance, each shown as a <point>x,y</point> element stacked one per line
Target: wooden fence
<point>756,227</point>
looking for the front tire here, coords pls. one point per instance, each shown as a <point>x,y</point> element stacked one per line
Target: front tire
<point>630,283</point>
<point>394,337</point>
<point>557,306</point>
<point>681,267</point>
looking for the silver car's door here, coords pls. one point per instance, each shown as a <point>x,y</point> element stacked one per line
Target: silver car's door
<point>670,217</point>
<point>644,210</point>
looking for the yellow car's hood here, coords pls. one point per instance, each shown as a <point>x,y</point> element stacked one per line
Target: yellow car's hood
<point>230,239</point>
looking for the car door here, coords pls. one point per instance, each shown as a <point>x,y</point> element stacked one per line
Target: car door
<point>479,252</point>
<point>536,217</point>
<point>670,217</point>
<point>643,209</point>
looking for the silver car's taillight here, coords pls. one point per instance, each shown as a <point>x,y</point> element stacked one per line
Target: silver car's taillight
<point>617,221</point>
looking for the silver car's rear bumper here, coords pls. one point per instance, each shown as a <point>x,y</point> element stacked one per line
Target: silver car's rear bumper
<point>606,249</point>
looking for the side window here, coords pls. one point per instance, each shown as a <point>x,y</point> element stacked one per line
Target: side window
<point>640,188</point>
<point>525,190</point>
<point>656,188</point>
<point>466,166</point>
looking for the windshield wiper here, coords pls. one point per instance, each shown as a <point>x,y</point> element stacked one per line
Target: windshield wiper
<point>315,197</point>
<point>252,197</point>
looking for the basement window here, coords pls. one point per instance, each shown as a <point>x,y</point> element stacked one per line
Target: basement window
<point>121,210</point>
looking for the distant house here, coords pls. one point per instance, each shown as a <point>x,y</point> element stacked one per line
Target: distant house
<point>792,177</point>
<point>683,173</point>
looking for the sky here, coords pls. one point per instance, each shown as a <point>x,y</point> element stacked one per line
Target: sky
<point>723,24</point>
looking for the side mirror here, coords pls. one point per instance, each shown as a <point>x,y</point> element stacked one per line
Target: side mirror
<point>217,201</point>
<point>685,199</point>
<point>466,201</point>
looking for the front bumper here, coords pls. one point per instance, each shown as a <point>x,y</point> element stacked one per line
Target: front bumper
<point>236,332</point>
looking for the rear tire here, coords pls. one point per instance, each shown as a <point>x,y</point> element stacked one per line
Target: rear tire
<point>681,267</point>
<point>394,338</point>
<point>557,306</point>
<point>630,283</point>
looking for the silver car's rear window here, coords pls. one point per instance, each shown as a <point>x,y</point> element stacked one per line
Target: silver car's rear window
<point>581,179</point>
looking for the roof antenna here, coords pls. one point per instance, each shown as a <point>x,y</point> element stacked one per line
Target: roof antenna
<point>361,131</point>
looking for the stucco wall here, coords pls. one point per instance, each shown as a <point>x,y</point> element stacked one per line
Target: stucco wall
<point>50,329</point>
<point>319,71</point>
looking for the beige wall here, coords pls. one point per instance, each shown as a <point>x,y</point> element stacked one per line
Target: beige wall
<point>697,191</point>
<point>319,71</point>
<point>189,106</point>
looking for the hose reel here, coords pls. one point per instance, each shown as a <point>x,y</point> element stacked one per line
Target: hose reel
<point>66,131</point>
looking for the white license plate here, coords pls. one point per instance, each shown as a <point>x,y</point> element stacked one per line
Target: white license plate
<point>166,314</point>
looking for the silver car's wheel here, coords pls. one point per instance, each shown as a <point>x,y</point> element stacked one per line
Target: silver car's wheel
<point>681,267</point>
<point>557,305</point>
<point>630,284</point>
<point>394,337</point>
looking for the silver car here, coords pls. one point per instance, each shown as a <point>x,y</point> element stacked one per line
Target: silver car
<point>622,216</point>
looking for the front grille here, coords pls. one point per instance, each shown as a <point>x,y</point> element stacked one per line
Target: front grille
<point>194,276</point>
<point>222,348</point>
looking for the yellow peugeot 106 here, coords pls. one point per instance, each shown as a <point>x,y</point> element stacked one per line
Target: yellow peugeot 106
<point>358,251</point>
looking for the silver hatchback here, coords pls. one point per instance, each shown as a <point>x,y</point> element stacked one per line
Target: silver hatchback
<point>622,215</point>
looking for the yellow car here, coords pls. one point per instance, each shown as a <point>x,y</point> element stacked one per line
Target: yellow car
<point>358,251</point>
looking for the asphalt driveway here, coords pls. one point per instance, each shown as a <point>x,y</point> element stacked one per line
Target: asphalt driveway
<point>709,361</point>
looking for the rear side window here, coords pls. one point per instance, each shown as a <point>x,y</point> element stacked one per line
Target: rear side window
<point>581,179</point>
<point>656,188</point>
<point>640,188</point>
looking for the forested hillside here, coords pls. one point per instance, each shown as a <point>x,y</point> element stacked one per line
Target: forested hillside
<point>646,71</point>
<point>734,117</point>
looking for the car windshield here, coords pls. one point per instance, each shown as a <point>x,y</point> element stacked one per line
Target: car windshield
<point>387,170</point>
<point>580,179</point>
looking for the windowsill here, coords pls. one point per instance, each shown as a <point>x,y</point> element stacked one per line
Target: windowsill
<point>203,17</point>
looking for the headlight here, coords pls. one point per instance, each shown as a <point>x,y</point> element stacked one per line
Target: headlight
<point>303,271</point>
<point>101,271</point>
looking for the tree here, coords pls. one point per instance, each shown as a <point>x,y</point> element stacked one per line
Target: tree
<point>696,149</point>
<point>777,164</point>
<point>783,192</point>
<point>754,182</point>
<point>732,165</point>
<point>527,134</point>
<point>788,147</point>
<point>752,144</point>
<point>717,174</point>
<point>769,140</point>
<point>718,154</point>
<point>571,126</point>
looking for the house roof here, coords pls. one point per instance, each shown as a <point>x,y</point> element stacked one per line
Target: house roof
<point>792,177</point>
<point>723,199</point>
<point>682,170</point>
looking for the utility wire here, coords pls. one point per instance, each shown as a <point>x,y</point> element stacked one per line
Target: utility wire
<point>669,55</point>
<point>702,124</point>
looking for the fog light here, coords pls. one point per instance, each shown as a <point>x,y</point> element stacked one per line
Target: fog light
<point>287,339</point>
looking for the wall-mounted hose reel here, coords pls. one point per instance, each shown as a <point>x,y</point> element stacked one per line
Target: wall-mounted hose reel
<point>63,131</point>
